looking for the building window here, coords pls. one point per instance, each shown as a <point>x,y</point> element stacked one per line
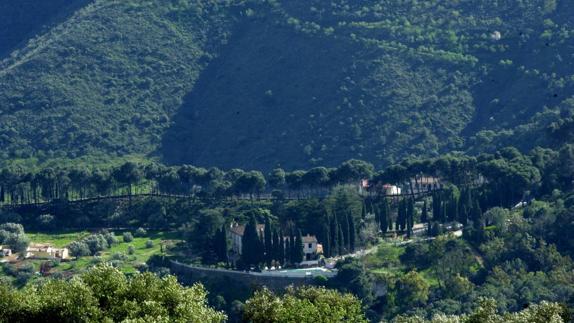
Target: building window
<point>310,246</point>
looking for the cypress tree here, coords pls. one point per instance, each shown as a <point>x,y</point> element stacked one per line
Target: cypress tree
<point>377,212</point>
<point>384,217</point>
<point>403,215</point>
<point>275,252</point>
<point>340,245</point>
<point>334,231</point>
<point>326,240</point>
<point>476,212</point>
<point>267,238</point>
<point>436,204</point>
<point>452,208</point>
<point>344,241</point>
<point>351,234</point>
<point>443,212</point>
<point>424,214</point>
<point>251,244</point>
<point>465,206</point>
<point>410,217</point>
<point>293,250</point>
<point>298,251</point>
<point>387,208</point>
<point>281,248</point>
<point>221,245</point>
<point>369,205</point>
<point>288,250</point>
<point>347,232</point>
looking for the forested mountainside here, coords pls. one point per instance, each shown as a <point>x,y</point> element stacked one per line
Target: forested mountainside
<point>259,84</point>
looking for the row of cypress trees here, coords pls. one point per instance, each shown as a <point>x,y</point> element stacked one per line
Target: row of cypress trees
<point>338,235</point>
<point>271,246</point>
<point>404,221</point>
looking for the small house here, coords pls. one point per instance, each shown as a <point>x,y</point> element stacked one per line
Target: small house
<point>5,251</point>
<point>46,251</point>
<point>311,247</point>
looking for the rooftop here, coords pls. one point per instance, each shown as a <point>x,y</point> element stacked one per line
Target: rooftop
<point>240,229</point>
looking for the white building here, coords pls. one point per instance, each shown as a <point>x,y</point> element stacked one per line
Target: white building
<point>5,251</point>
<point>43,251</point>
<point>236,232</point>
<point>310,247</point>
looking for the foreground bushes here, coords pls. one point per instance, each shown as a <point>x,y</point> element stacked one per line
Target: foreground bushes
<point>104,294</point>
<point>303,305</point>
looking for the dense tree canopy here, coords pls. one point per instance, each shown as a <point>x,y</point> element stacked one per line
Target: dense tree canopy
<point>105,294</point>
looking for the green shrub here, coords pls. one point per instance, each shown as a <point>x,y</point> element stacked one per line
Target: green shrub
<point>128,237</point>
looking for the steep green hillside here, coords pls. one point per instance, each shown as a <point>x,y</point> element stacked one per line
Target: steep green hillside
<point>107,80</point>
<point>291,83</point>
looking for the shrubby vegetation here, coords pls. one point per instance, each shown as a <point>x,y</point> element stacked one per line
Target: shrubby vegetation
<point>12,235</point>
<point>303,305</point>
<point>515,247</point>
<point>105,294</point>
<point>377,80</point>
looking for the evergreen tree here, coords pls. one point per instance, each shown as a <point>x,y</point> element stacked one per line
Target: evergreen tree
<point>402,216</point>
<point>424,214</point>
<point>267,242</point>
<point>298,249</point>
<point>452,208</point>
<point>344,242</point>
<point>251,245</point>
<point>444,212</point>
<point>410,216</point>
<point>388,213</point>
<point>384,216</point>
<point>275,252</point>
<point>377,212</point>
<point>351,234</point>
<point>340,244</point>
<point>288,250</point>
<point>281,252</point>
<point>334,232</point>
<point>436,204</point>
<point>465,206</point>
<point>476,212</point>
<point>347,233</point>
<point>293,251</point>
<point>221,245</point>
<point>326,240</point>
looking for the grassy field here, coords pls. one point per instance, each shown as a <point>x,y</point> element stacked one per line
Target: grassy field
<point>386,262</point>
<point>118,254</point>
<point>58,240</point>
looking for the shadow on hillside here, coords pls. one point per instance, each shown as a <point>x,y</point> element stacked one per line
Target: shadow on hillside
<point>253,107</point>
